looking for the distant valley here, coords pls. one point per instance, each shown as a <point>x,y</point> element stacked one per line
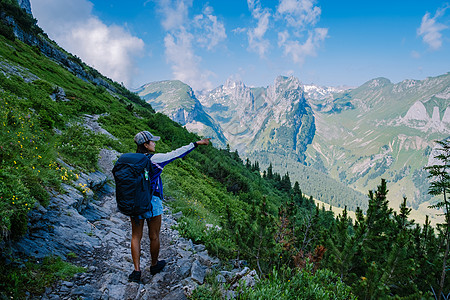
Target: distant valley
<point>337,143</point>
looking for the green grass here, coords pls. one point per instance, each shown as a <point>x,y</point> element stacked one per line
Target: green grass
<point>33,276</point>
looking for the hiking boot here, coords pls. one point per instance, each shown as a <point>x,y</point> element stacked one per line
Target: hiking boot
<point>158,267</point>
<point>135,276</point>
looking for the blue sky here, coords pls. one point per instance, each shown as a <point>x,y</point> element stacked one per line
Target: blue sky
<point>204,43</point>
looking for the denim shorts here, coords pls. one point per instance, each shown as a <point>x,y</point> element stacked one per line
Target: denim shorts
<point>157,209</point>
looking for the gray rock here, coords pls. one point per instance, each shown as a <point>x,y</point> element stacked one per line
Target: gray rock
<point>87,292</point>
<point>198,272</point>
<point>36,213</point>
<point>184,253</point>
<point>25,4</point>
<point>186,244</point>
<point>106,161</point>
<point>59,95</point>
<point>64,289</point>
<point>94,213</point>
<point>115,292</point>
<point>189,286</point>
<point>185,266</point>
<point>206,260</point>
<point>92,269</point>
<point>250,279</point>
<point>199,248</point>
<point>149,294</point>
<point>227,274</point>
<point>231,295</point>
<point>67,283</point>
<point>157,278</point>
<point>91,123</point>
<point>245,271</point>
<point>177,294</point>
<point>221,279</point>
<point>178,215</point>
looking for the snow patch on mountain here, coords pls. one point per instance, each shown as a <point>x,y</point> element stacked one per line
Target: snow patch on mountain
<point>319,92</point>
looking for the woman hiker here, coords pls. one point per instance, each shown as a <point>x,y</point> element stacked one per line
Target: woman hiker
<point>146,144</point>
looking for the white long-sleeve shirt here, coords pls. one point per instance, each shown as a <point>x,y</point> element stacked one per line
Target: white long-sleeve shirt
<point>160,160</point>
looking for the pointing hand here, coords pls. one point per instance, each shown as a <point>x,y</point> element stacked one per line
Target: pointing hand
<point>204,141</point>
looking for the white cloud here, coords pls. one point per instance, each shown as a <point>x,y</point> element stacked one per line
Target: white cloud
<point>430,29</point>
<point>212,31</point>
<point>257,42</point>
<point>184,35</point>
<point>175,13</point>
<point>299,13</point>
<point>294,24</point>
<point>298,51</point>
<point>110,49</point>
<point>185,64</point>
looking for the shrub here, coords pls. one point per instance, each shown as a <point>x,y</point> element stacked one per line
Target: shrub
<point>299,284</point>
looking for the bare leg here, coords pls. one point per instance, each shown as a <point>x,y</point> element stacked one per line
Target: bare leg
<point>136,236</point>
<point>154,226</point>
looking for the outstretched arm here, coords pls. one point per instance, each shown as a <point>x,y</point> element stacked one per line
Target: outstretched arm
<point>162,159</point>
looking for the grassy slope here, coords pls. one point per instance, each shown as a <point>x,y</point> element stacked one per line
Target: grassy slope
<point>187,177</point>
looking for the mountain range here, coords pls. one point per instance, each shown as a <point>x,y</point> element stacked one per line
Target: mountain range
<point>323,137</point>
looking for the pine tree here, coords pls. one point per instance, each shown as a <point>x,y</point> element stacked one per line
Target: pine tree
<point>257,237</point>
<point>378,223</point>
<point>255,166</point>
<point>286,183</point>
<point>426,255</point>
<point>270,171</point>
<point>297,193</point>
<point>341,245</point>
<point>401,219</point>
<point>400,268</point>
<point>440,185</point>
<point>248,165</point>
<point>284,236</point>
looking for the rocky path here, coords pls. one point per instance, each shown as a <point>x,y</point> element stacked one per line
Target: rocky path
<point>93,234</point>
<point>109,264</point>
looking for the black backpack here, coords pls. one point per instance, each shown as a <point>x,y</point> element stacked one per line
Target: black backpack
<point>132,174</point>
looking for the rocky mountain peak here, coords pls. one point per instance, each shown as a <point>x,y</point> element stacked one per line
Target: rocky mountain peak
<point>286,90</point>
<point>233,84</point>
<point>377,83</point>
<point>232,93</point>
<point>287,83</point>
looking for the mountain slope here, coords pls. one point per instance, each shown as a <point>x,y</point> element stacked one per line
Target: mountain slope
<point>381,129</point>
<point>177,100</point>
<point>274,119</point>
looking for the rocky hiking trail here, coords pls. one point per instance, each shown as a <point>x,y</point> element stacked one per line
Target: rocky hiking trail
<point>84,227</point>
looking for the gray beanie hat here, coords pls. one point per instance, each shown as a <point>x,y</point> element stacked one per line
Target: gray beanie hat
<point>145,136</point>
